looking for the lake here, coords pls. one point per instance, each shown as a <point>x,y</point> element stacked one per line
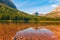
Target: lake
<point>34,31</point>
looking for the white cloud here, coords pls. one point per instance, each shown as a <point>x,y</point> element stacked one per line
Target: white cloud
<point>54,5</point>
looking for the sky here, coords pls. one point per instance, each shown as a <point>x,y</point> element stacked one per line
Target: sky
<point>40,6</point>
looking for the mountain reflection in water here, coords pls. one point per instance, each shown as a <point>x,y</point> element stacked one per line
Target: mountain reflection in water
<point>35,34</point>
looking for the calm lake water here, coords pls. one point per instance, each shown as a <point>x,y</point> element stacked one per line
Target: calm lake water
<point>29,31</point>
<point>35,34</point>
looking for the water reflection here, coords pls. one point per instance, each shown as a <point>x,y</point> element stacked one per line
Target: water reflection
<point>35,34</point>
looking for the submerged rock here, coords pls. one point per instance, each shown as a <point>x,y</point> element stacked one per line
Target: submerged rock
<point>32,34</point>
<point>8,2</point>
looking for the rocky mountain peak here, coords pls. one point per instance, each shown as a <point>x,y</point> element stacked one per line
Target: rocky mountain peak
<point>8,2</point>
<point>55,13</point>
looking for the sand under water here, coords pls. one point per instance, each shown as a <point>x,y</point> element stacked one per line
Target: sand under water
<point>35,34</point>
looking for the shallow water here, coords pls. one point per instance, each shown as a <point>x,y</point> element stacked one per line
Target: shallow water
<point>35,34</point>
<point>10,30</point>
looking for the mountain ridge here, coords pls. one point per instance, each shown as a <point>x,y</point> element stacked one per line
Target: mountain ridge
<point>55,13</point>
<point>8,2</point>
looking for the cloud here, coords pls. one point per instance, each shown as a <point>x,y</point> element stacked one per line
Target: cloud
<point>54,5</point>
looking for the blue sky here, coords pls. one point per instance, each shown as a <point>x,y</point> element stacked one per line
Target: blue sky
<point>32,6</point>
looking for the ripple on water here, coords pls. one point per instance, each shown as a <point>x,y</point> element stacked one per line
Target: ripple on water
<point>32,34</point>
